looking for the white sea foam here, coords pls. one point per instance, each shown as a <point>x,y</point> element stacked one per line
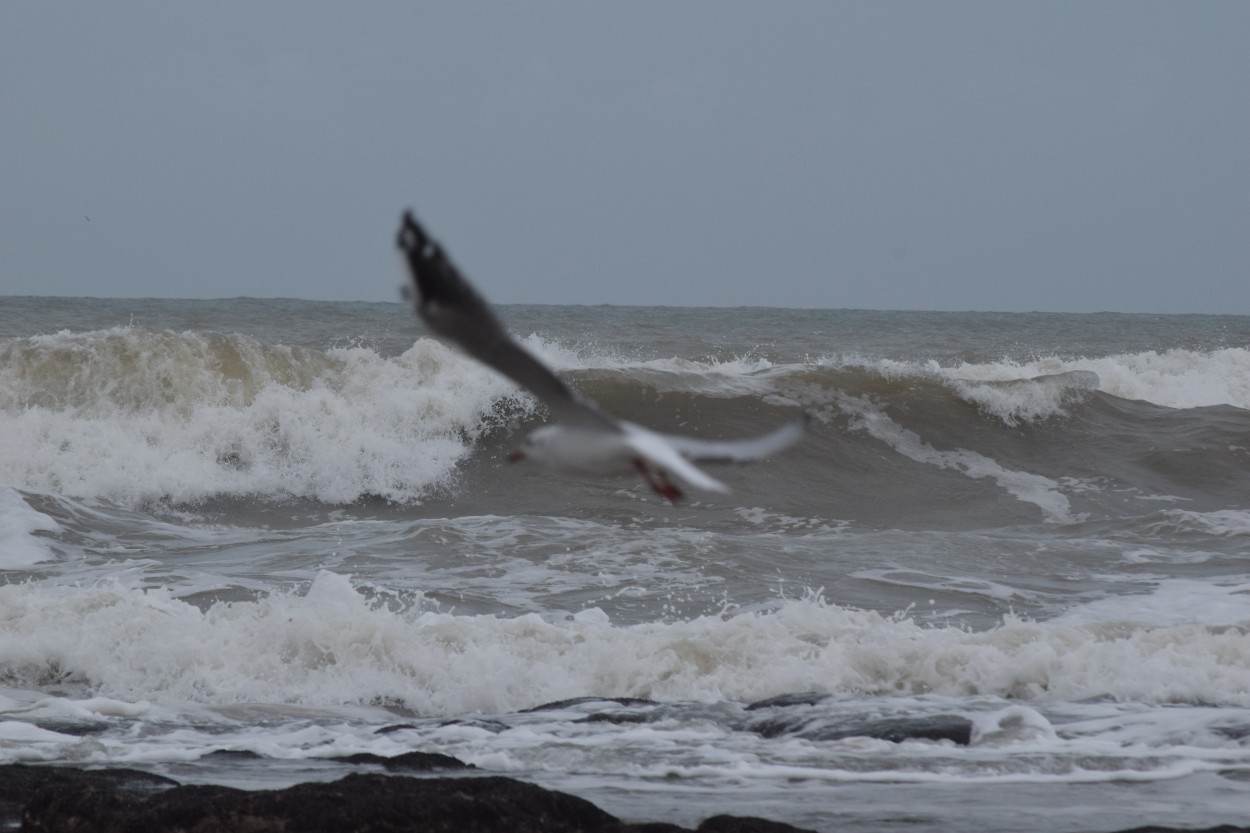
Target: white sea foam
<point>19,546</point>
<point>1223,523</point>
<point>1011,726</point>
<point>64,708</point>
<point>1172,602</point>
<point>1028,400</point>
<point>1173,378</point>
<point>333,645</point>
<point>131,415</point>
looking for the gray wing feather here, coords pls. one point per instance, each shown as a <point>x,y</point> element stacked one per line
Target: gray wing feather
<point>452,308</point>
<point>739,451</point>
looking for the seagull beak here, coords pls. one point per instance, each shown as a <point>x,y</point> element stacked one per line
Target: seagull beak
<point>516,456</point>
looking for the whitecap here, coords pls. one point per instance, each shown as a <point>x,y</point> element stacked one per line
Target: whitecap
<point>19,546</point>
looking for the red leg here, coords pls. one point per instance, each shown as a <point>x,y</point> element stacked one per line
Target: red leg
<point>658,481</point>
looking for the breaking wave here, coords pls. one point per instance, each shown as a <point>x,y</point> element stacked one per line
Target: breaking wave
<point>336,645</point>
<point>134,415</point>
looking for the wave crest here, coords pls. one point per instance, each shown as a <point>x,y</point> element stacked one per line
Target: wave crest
<point>134,415</point>
<point>333,645</point>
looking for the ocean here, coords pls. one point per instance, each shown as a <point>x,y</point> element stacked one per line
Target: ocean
<point>239,538</point>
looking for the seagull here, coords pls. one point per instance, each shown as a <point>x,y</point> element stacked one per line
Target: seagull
<point>581,439</point>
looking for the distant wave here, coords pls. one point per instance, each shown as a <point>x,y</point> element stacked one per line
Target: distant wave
<point>1172,378</point>
<point>1014,390</point>
<point>135,415</point>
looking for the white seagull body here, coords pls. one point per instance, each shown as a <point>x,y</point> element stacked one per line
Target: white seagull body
<point>581,439</point>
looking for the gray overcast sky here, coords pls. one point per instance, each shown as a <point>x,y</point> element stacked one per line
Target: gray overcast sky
<point>1069,156</point>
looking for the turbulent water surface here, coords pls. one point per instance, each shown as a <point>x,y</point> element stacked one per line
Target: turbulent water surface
<point>290,528</point>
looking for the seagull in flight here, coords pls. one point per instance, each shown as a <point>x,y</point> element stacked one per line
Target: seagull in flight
<point>581,439</point>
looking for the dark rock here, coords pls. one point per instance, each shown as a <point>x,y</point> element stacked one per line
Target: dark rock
<point>746,824</point>
<point>1240,732</point>
<point>1234,774</point>
<point>19,783</point>
<point>805,698</point>
<point>617,717</point>
<point>950,727</point>
<point>386,730</point>
<point>560,705</point>
<point>233,755</point>
<point>356,803</point>
<point>75,728</point>
<point>63,800</point>
<point>72,800</point>
<point>493,726</point>
<point>413,761</point>
<point>1223,828</point>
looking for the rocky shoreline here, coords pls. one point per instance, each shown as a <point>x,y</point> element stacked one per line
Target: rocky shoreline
<point>66,799</point>
<point>415,791</point>
<point>60,799</point>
